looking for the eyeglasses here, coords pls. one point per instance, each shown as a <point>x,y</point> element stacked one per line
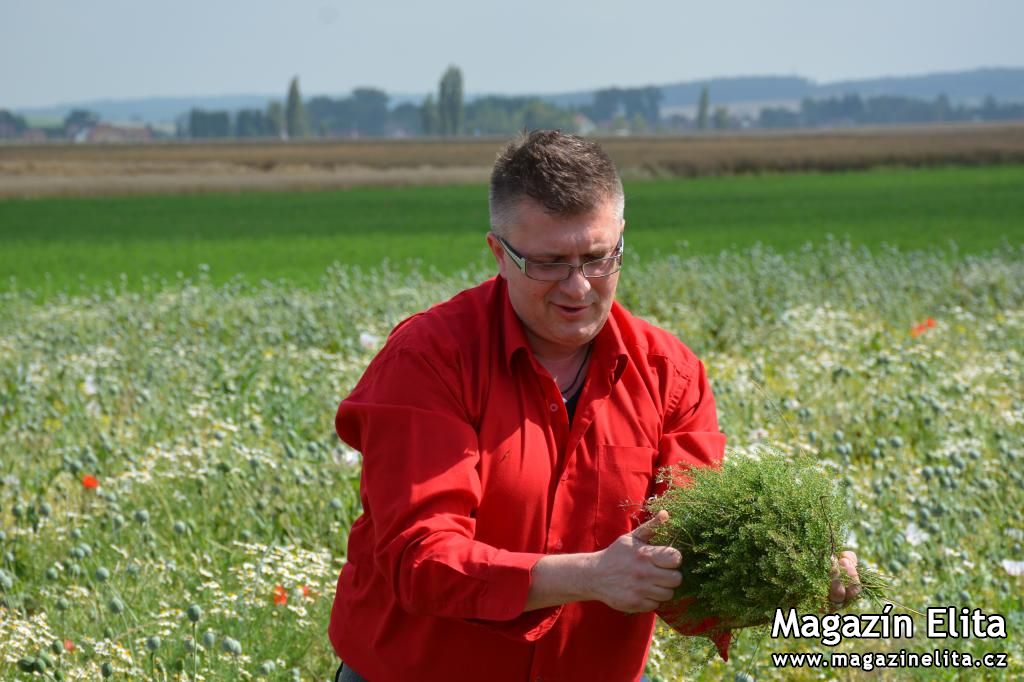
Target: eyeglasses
<point>556,272</point>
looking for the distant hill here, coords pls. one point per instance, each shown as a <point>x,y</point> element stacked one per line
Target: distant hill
<point>962,87</point>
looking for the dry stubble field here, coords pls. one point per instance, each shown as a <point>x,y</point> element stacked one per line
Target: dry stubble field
<point>65,169</point>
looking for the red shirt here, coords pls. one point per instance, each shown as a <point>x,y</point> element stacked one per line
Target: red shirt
<point>472,473</point>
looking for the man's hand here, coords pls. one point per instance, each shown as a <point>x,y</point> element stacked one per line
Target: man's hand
<point>629,575</point>
<point>632,576</point>
<point>841,595</point>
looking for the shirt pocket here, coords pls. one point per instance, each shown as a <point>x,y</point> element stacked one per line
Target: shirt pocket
<point>625,479</point>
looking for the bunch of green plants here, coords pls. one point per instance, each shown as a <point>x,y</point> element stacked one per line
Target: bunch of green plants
<point>758,534</point>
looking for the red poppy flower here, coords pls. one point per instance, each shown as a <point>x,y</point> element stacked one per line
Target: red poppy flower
<point>90,482</point>
<point>280,595</point>
<point>305,590</point>
<point>69,646</point>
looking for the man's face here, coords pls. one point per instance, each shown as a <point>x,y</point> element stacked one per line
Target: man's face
<point>560,317</point>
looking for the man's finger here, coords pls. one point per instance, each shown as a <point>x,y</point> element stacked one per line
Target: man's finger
<point>666,557</point>
<point>646,530</point>
<point>837,592</point>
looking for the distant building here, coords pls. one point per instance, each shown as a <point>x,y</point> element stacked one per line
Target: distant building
<point>106,132</point>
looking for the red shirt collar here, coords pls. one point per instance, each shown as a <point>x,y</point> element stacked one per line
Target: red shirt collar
<point>609,348</point>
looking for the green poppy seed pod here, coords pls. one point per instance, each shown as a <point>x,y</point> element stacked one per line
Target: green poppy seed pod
<point>17,510</point>
<point>190,645</point>
<point>101,575</point>
<point>76,534</point>
<point>116,606</point>
<point>194,613</point>
<point>3,536</point>
<point>896,442</point>
<point>6,582</point>
<point>231,646</point>
<point>266,668</point>
<point>57,647</point>
<point>180,528</point>
<point>27,664</point>
<point>51,573</point>
<point>744,677</point>
<point>43,661</point>
<point>85,549</point>
<point>209,639</point>
<point>133,570</point>
<point>45,509</point>
<point>63,604</point>
<point>106,669</point>
<point>142,516</point>
<point>335,504</point>
<point>153,643</point>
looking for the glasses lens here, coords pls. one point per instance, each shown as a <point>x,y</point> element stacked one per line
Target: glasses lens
<point>548,272</point>
<point>602,267</point>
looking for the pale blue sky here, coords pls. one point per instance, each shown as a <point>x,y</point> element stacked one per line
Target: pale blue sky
<point>54,51</point>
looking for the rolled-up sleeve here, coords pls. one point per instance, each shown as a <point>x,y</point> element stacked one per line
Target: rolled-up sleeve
<point>422,489</point>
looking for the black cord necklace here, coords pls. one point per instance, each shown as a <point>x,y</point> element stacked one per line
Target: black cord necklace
<point>568,392</point>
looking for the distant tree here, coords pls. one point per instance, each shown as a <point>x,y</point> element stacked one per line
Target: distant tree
<point>405,119</point>
<point>449,101</point>
<point>275,118</point>
<point>11,125</point>
<point>295,114</point>
<point>332,117</point>
<point>430,117</point>
<point>79,119</point>
<point>702,109</point>
<point>721,118</point>
<point>777,117</point>
<point>206,124</point>
<point>252,123</point>
<point>370,110</point>
<point>606,105</point>
<point>536,114</point>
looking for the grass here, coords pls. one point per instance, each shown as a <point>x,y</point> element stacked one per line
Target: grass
<point>203,414</point>
<point>74,244</point>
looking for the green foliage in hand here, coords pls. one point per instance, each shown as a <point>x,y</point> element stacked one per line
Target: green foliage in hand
<point>756,535</point>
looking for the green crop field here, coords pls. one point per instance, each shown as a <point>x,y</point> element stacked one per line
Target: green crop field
<point>59,244</point>
<point>175,505</point>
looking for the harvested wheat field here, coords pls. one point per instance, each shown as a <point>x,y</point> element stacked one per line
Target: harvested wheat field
<point>187,167</point>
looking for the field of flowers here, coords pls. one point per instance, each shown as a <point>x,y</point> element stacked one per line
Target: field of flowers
<point>174,503</point>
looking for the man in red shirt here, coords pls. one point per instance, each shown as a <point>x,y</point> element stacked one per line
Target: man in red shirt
<point>510,436</point>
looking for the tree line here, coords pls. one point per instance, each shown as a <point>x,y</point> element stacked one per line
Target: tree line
<point>854,110</point>
<point>368,112</point>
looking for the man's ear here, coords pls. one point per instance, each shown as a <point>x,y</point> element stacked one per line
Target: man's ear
<point>498,252</point>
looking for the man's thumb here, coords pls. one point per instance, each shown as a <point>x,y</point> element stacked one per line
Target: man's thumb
<point>646,530</point>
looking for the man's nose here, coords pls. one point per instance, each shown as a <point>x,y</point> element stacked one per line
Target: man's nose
<point>577,285</point>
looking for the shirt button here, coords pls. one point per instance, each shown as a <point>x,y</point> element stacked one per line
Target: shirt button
<point>554,408</point>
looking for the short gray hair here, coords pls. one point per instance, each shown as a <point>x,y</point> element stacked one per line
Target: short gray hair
<point>566,174</point>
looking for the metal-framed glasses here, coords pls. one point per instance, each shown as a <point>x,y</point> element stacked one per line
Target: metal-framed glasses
<point>556,272</point>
